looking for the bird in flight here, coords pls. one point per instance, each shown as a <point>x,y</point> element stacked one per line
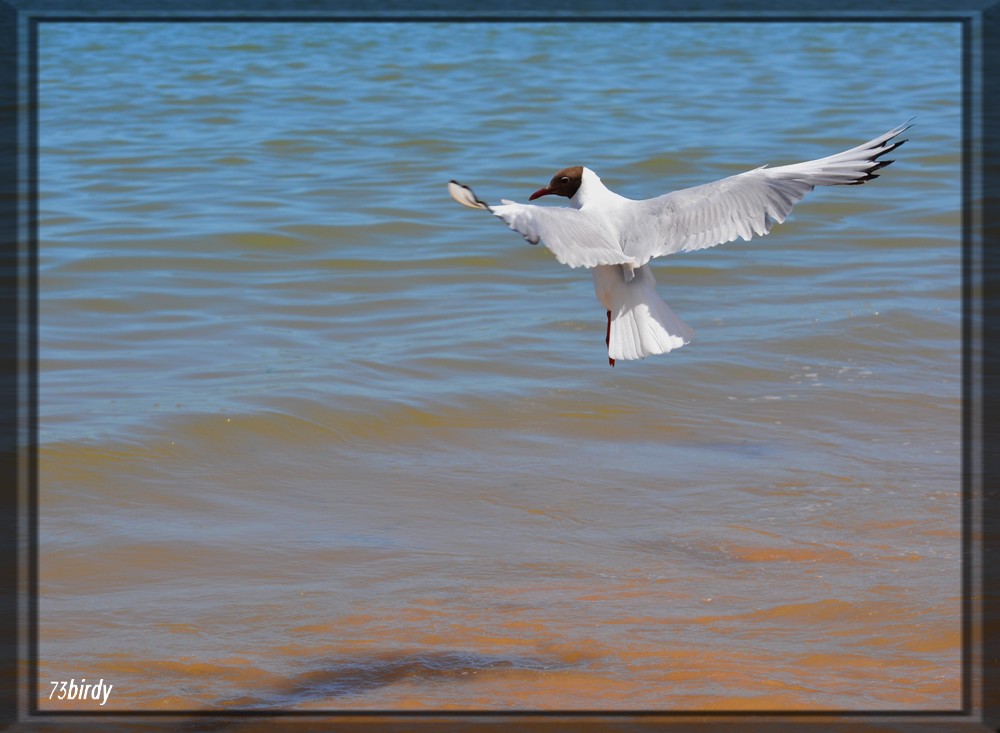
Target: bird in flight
<point>616,237</point>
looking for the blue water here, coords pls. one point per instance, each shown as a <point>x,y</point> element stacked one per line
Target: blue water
<point>262,316</point>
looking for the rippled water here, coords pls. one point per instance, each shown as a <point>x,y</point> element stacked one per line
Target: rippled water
<point>313,436</point>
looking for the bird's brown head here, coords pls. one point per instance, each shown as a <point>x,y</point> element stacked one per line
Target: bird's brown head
<point>564,183</point>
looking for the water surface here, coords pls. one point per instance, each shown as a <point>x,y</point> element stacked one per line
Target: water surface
<point>313,436</point>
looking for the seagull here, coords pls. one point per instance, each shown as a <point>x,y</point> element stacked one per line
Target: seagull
<point>615,237</point>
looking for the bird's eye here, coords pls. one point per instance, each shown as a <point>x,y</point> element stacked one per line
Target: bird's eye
<point>564,179</point>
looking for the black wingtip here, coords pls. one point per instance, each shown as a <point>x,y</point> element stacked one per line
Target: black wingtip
<point>864,179</point>
<point>888,149</point>
<point>870,174</point>
<point>477,203</point>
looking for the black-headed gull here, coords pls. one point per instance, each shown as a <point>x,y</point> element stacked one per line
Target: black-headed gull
<point>615,236</point>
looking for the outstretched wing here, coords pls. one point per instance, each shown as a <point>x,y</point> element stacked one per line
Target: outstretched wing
<point>746,204</point>
<point>574,238</point>
<point>465,196</point>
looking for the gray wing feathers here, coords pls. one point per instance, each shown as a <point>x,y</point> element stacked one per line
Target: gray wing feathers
<point>715,213</point>
<point>747,204</point>
<point>574,239</point>
<point>572,236</point>
<point>857,165</point>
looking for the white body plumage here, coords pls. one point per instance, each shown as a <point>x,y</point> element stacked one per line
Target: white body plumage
<point>616,236</point>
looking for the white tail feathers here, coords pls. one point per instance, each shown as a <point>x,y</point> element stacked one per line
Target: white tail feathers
<point>641,323</point>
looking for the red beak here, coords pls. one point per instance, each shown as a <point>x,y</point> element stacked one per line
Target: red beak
<point>540,192</point>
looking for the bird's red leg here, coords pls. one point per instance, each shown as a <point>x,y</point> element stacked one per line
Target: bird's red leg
<point>607,339</point>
